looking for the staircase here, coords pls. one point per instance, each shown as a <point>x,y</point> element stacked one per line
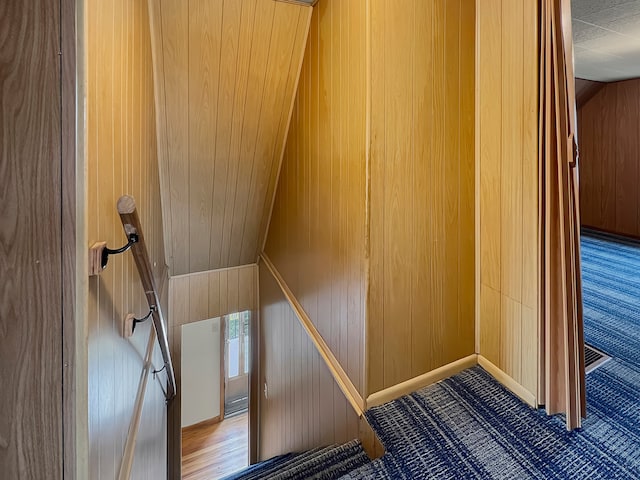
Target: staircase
<point>325,463</point>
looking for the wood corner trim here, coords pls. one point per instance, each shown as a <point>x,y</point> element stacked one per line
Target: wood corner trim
<point>524,394</point>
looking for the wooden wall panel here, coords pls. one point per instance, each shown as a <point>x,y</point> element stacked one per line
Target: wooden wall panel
<point>195,297</point>
<point>421,303</point>
<point>121,151</point>
<point>152,437</point>
<point>608,136</point>
<point>204,295</point>
<point>585,90</point>
<point>507,89</point>
<point>226,75</point>
<point>34,162</point>
<point>301,406</point>
<point>316,237</point>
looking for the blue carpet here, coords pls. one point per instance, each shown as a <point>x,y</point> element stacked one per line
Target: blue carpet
<point>325,463</point>
<point>469,426</point>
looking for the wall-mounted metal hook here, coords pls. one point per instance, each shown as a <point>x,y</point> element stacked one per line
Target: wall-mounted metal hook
<point>131,321</point>
<point>133,238</point>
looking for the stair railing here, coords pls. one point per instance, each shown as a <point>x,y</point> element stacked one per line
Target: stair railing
<point>133,230</point>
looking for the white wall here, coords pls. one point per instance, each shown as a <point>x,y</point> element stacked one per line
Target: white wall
<point>200,371</point>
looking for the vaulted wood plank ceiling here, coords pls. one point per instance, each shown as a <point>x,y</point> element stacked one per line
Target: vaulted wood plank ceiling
<point>226,74</point>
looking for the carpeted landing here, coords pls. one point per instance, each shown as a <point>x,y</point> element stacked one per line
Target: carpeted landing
<point>469,426</point>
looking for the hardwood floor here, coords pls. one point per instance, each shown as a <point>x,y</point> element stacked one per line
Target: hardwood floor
<point>215,451</point>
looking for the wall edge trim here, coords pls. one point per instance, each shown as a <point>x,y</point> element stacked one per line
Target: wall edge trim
<point>337,372</point>
<point>511,384</point>
<point>132,435</point>
<point>416,383</point>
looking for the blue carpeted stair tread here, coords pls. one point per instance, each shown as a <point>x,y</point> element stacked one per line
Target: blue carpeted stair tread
<point>337,461</point>
<point>323,463</point>
<point>254,471</point>
<point>300,463</point>
<point>271,467</point>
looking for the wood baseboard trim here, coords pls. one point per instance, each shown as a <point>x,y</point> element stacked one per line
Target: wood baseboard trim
<point>610,234</point>
<point>416,383</point>
<point>203,424</point>
<point>524,394</point>
<point>340,376</point>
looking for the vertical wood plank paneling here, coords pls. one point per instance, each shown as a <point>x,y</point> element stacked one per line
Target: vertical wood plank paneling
<point>437,164</point>
<point>336,154</point>
<point>232,80</point>
<point>529,164</point>
<point>316,235</point>
<point>529,332</point>
<point>263,30</point>
<point>121,155</point>
<point>587,150</point>
<point>214,295</point>
<point>507,136</point>
<point>205,295</point>
<point>422,115</point>
<point>288,371</point>
<point>457,336</point>
<point>247,288</point>
<point>226,74</point>
<point>397,199</point>
<point>265,177</point>
<point>511,166</point>
<point>204,38</point>
<point>339,196</point>
<point>422,170</point>
<point>232,289</point>
<point>356,184</point>
<point>237,131</point>
<point>607,149</point>
<point>31,426</point>
<point>490,331</point>
<point>467,157</point>
<point>179,300</point>
<point>511,187</point>
<point>198,296</point>
<point>609,168</point>
<point>224,289</point>
<point>375,303</point>
<point>529,347</point>
<point>174,44</point>
<point>510,338</point>
<point>490,125</point>
<point>589,159</point>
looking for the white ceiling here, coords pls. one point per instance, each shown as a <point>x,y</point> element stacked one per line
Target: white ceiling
<point>606,39</point>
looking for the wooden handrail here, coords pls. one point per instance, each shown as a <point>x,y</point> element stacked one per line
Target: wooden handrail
<point>131,224</point>
<point>337,372</point>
